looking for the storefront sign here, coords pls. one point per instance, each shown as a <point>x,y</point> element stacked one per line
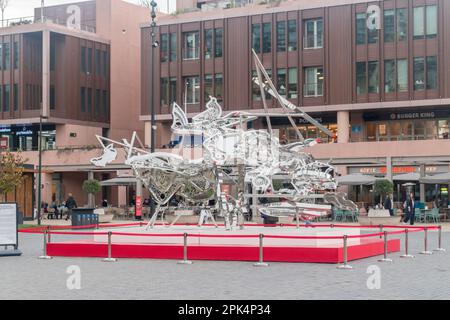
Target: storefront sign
<point>5,129</point>
<point>432,114</point>
<point>397,170</point>
<point>3,143</point>
<point>8,224</point>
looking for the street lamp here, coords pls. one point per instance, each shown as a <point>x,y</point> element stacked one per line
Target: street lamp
<point>155,44</point>
<point>39,206</point>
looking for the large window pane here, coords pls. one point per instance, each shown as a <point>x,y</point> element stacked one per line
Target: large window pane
<point>267,37</point>
<point>389,76</point>
<point>402,75</point>
<point>292,83</point>
<point>256,37</point>
<point>432,77</point>
<point>208,86</point>
<point>6,97</point>
<point>419,74</point>
<point>218,42</point>
<point>218,87</point>
<point>389,25</point>
<point>6,56</point>
<point>164,47</point>
<point>419,26</point>
<point>173,46</point>
<point>191,45</point>
<point>313,82</point>
<point>192,85</point>
<point>292,35</point>
<point>374,79</point>
<point>281,82</point>
<point>361,28</point>
<point>164,91</point>
<point>208,43</point>
<point>431,21</point>
<point>281,36</point>
<point>361,78</point>
<point>313,33</point>
<point>402,24</point>
<point>172,90</point>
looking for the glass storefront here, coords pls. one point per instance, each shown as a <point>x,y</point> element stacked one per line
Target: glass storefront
<point>26,137</point>
<point>311,132</point>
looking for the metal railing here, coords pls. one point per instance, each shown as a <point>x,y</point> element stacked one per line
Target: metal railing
<point>87,26</point>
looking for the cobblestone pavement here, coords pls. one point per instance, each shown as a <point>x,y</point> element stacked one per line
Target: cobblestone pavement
<point>26,277</point>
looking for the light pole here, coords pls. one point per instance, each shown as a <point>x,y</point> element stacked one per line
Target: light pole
<point>39,186</point>
<point>155,44</point>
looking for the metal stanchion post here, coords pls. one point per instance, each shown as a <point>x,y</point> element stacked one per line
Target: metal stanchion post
<point>385,258</point>
<point>439,248</point>
<point>406,255</point>
<point>110,258</point>
<point>297,219</point>
<point>45,256</point>
<point>185,244</point>
<point>345,265</point>
<point>261,262</point>
<point>425,242</point>
<point>381,229</point>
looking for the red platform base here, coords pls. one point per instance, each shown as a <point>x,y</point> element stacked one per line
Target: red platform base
<point>367,248</point>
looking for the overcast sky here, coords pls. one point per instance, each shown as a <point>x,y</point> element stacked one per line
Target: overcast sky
<point>25,8</point>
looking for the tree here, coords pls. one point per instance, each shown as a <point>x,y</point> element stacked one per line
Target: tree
<point>91,187</point>
<point>3,6</point>
<point>382,188</point>
<point>11,171</point>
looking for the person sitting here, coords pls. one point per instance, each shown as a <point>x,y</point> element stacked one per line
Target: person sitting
<point>105,203</point>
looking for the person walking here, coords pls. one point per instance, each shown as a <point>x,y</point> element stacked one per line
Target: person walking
<point>70,204</point>
<point>389,205</point>
<point>410,210</point>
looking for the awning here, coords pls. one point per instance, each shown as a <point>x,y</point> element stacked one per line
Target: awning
<point>443,178</point>
<point>412,176</point>
<point>119,181</point>
<point>356,179</point>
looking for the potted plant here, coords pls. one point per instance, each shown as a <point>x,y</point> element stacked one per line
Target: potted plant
<point>382,188</point>
<point>91,187</point>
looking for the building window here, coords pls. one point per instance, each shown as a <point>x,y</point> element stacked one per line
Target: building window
<point>256,38</point>
<point>432,78</point>
<point>173,47</point>
<point>164,51</point>
<point>313,33</point>
<point>192,87</point>
<point>361,78</point>
<point>1,55</point>
<point>83,60</point>
<point>52,98</point>
<point>208,86</point>
<point>292,35</point>
<point>98,66</point>
<point>389,76</point>
<point>313,82</point>
<point>6,56</point>
<point>256,92</point>
<point>425,22</point>
<point>191,45</point>
<point>218,86</point>
<point>402,24</point>
<point>89,100</point>
<point>105,64</point>
<point>208,43</point>
<point>292,83</point>
<point>16,55</point>
<point>172,89</point>
<point>281,82</point>
<point>218,42</point>
<point>6,97</point>
<point>97,102</point>
<point>419,74</point>
<point>164,91</point>
<point>89,61</point>
<point>389,25</point>
<point>267,37</point>
<point>83,99</point>
<point>402,75</point>
<point>105,103</point>
<point>361,28</point>
<point>374,79</point>
<point>16,97</point>
<point>281,36</point>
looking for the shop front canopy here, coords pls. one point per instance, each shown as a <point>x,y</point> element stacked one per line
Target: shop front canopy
<point>443,178</point>
<point>119,181</point>
<point>356,179</point>
<point>412,176</point>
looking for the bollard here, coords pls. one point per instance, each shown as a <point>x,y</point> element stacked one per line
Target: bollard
<point>406,255</point>
<point>385,258</point>
<point>425,240</point>
<point>261,262</point>
<point>45,256</point>
<point>439,248</point>
<point>345,265</point>
<point>110,258</point>
<point>185,244</point>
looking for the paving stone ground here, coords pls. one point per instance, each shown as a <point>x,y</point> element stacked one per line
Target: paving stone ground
<point>26,277</point>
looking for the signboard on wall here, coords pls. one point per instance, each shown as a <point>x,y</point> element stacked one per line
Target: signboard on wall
<point>3,143</point>
<point>8,229</point>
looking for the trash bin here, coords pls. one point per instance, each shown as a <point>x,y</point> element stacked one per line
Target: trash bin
<point>269,219</point>
<point>84,217</point>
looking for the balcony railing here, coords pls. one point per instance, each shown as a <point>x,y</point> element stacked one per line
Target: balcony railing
<point>31,20</point>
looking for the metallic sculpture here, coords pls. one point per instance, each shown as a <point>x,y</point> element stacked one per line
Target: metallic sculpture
<point>248,157</point>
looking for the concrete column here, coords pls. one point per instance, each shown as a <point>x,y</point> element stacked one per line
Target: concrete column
<point>343,123</point>
<point>122,196</point>
<point>422,186</point>
<point>91,197</point>
<point>46,73</point>
<point>148,133</point>
<point>389,168</point>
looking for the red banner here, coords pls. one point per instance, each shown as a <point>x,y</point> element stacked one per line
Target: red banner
<point>138,211</point>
